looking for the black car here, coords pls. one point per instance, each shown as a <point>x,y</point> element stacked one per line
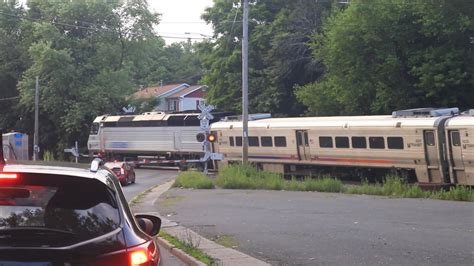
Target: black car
<point>53,215</point>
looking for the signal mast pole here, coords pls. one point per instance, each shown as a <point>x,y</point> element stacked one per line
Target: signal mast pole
<point>245,97</point>
<point>36,134</point>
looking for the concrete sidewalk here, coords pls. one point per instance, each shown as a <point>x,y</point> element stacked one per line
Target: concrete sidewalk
<point>222,255</point>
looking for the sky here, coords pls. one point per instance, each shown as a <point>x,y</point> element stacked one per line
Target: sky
<point>180,17</point>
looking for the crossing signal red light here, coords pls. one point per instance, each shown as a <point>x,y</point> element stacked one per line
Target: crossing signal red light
<point>211,137</point>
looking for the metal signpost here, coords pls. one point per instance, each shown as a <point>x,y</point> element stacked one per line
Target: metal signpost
<point>74,151</point>
<point>204,118</point>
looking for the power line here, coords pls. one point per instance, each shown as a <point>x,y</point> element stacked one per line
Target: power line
<point>10,98</point>
<point>96,28</point>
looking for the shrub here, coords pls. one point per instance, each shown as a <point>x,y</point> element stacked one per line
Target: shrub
<point>193,180</point>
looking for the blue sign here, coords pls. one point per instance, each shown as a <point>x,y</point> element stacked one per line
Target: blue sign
<point>18,135</point>
<point>18,143</point>
<point>119,145</point>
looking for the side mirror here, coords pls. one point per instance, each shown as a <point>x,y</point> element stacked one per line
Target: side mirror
<point>150,224</point>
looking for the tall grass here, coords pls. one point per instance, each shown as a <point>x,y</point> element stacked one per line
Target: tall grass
<point>193,180</point>
<point>246,176</point>
<point>249,177</point>
<point>48,156</point>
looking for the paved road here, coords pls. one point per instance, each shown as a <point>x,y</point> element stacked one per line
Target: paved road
<point>147,178</point>
<point>308,228</point>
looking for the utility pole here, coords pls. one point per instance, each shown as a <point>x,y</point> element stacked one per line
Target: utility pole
<point>245,83</point>
<point>36,136</point>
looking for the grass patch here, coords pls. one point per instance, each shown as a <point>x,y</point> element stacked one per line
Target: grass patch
<point>188,249</point>
<point>394,186</point>
<point>191,179</point>
<point>227,241</point>
<point>142,194</point>
<point>249,177</point>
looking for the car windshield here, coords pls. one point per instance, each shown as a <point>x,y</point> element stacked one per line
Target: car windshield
<point>55,215</point>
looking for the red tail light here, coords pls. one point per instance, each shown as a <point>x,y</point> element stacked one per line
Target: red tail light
<point>143,254</point>
<point>8,176</point>
<point>139,257</point>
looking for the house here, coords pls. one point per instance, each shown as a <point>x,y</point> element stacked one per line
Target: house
<point>175,97</point>
<point>187,99</point>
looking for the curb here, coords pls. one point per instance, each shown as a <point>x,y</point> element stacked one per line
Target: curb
<point>191,261</point>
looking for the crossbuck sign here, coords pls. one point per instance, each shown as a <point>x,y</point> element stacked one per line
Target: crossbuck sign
<point>205,111</point>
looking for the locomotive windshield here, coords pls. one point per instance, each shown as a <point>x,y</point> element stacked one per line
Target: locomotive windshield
<point>94,128</point>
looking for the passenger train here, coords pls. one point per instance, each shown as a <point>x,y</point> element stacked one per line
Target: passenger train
<point>433,146</point>
<point>156,135</point>
<point>430,146</point>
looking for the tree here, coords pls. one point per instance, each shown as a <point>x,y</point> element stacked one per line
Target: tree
<point>386,55</point>
<point>87,55</point>
<point>279,55</point>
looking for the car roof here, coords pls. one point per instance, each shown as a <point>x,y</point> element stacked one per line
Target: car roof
<point>81,171</point>
<point>114,164</point>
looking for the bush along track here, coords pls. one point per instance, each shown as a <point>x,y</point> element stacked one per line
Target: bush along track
<point>249,177</point>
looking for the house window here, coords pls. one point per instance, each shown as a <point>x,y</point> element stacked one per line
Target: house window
<point>198,102</point>
<point>173,105</point>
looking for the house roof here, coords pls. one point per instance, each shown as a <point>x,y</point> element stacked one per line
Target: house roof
<point>157,91</point>
<point>186,91</point>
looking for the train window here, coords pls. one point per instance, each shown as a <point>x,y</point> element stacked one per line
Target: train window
<point>429,138</point>
<point>110,124</point>
<point>455,138</point>
<point>342,142</point>
<point>325,142</point>
<point>231,141</point>
<point>376,143</point>
<point>238,141</point>
<point>266,141</point>
<point>395,143</point>
<point>280,141</point>
<point>299,139</point>
<point>359,142</point>
<point>253,142</point>
<point>95,128</point>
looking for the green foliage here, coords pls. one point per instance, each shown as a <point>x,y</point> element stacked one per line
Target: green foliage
<point>191,179</point>
<point>391,55</point>
<point>48,156</point>
<point>248,177</point>
<point>89,56</point>
<point>279,55</point>
<point>188,249</point>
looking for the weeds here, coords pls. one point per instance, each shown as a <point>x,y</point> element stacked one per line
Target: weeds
<point>193,180</point>
<point>249,177</point>
<point>189,249</point>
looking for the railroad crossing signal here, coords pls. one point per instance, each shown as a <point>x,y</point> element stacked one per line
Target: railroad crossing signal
<point>205,111</point>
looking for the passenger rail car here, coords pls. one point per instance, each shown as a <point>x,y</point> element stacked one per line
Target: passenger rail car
<point>153,134</point>
<point>431,145</point>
